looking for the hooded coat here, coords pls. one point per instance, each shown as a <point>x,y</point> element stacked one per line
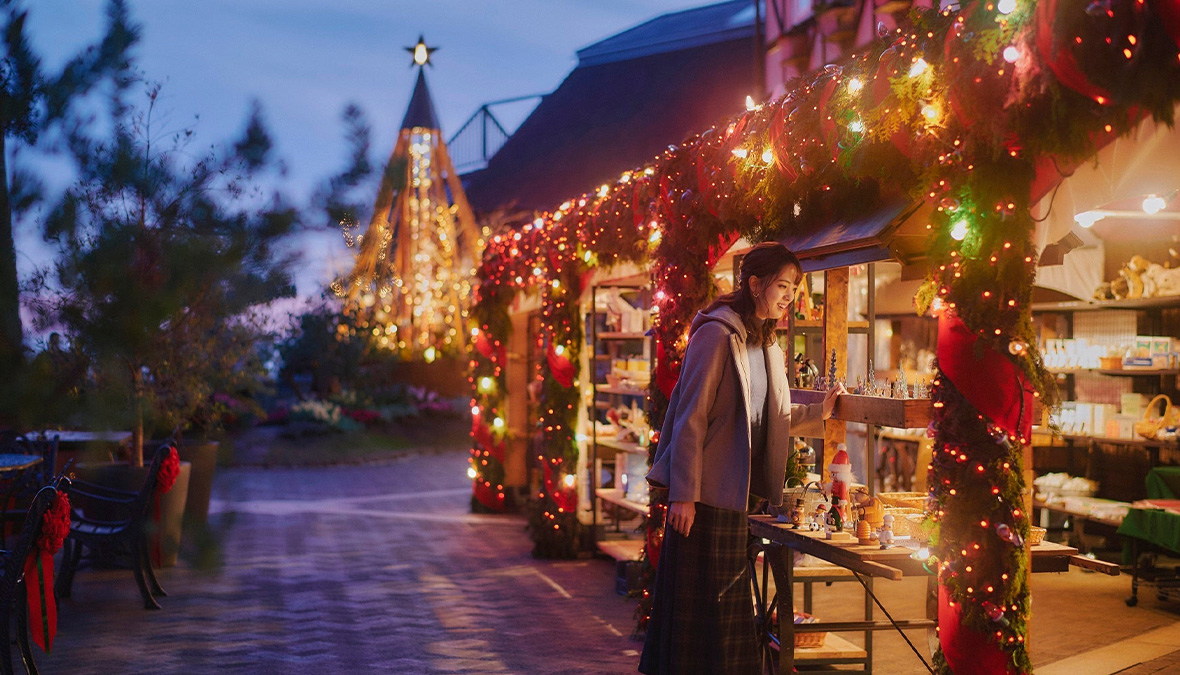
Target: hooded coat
<point>704,453</point>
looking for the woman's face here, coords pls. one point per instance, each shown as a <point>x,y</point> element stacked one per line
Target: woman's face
<point>775,296</point>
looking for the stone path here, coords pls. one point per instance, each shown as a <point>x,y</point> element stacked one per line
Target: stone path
<point>382,569</point>
<point>374,569</point>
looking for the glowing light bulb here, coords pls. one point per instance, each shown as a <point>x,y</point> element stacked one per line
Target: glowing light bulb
<point>855,85</point>
<point>1006,6</point>
<point>959,231</point>
<point>559,349</point>
<point>1087,219</point>
<point>1154,204</point>
<point>931,113</point>
<point>918,67</point>
<point>741,153</point>
<point>768,156</point>
<point>498,422</point>
<point>474,410</point>
<point>485,383</point>
<point>856,126</point>
<point>430,354</point>
<point>654,237</point>
<point>569,480</point>
<point>750,104</point>
<point>471,472</point>
<point>1011,53</point>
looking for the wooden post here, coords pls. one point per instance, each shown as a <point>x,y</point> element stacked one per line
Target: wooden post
<point>1027,453</point>
<point>517,380</point>
<point>835,340</point>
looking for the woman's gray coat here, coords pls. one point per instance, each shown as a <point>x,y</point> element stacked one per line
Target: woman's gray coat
<point>704,450</point>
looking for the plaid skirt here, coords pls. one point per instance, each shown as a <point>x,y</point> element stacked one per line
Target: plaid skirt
<point>702,618</point>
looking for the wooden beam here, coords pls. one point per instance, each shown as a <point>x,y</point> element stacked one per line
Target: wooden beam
<point>517,380</point>
<point>835,340</point>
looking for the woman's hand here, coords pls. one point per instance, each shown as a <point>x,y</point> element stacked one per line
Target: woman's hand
<point>830,399</point>
<point>681,515</point>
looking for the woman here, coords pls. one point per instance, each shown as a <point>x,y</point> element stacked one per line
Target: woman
<point>726,436</point>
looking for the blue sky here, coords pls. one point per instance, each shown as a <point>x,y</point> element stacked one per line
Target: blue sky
<point>304,60</point>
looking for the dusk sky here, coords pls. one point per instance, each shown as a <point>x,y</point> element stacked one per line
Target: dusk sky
<point>304,60</point>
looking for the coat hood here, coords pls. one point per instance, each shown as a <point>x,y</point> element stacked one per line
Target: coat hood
<point>724,314</point>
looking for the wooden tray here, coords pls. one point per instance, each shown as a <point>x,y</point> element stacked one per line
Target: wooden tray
<point>906,413</point>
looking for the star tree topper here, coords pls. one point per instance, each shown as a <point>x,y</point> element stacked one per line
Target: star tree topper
<point>421,53</point>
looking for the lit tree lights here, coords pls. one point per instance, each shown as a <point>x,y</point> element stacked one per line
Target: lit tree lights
<point>412,278</point>
<point>973,113</point>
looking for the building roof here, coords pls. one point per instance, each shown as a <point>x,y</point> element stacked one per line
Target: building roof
<point>420,112</point>
<point>674,31</point>
<point>630,97</point>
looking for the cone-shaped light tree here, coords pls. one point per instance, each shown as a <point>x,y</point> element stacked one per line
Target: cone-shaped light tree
<point>412,279</point>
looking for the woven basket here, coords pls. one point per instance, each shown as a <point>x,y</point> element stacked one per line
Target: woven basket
<point>1149,427</point>
<point>808,640</point>
<point>913,500</point>
<point>811,494</point>
<point>1036,535</point>
<point>901,520</point>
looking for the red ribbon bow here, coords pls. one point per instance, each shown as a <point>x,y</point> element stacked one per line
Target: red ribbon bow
<point>169,470</point>
<point>55,525</point>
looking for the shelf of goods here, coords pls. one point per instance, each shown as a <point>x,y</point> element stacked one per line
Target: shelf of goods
<point>905,413</point>
<point>623,446</point>
<point>615,496</point>
<point>620,372</point>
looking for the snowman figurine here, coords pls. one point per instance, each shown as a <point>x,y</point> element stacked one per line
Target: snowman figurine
<point>885,536</point>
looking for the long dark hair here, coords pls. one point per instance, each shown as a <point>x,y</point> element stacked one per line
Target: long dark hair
<point>765,261</point>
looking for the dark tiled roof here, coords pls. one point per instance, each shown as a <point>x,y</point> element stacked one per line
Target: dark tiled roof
<point>614,116</point>
<point>673,32</point>
<point>420,112</point>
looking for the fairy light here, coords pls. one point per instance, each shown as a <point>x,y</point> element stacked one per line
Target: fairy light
<point>959,231</point>
<point>1011,53</point>
<point>918,67</point>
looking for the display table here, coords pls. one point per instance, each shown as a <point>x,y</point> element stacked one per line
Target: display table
<point>868,562</point>
<point>1154,528</point>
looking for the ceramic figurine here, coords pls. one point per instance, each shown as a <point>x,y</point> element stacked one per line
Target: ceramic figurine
<point>885,536</point>
<point>818,518</point>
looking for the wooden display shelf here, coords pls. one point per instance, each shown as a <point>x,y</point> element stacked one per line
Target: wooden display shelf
<point>616,335</point>
<point>613,496</point>
<point>834,647</point>
<point>622,549</point>
<point>624,391</point>
<point>1092,305</point>
<point>1118,372</point>
<point>622,446</point>
<point>905,413</point>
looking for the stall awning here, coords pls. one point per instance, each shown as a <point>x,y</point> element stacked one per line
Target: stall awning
<point>870,238</point>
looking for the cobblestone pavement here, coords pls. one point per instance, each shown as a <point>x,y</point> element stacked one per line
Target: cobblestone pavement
<point>382,569</point>
<point>368,569</point>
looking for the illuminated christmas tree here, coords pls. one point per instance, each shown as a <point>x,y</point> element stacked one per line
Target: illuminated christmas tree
<point>411,283</point>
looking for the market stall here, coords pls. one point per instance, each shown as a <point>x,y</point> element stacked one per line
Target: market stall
<point>967,114</point>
